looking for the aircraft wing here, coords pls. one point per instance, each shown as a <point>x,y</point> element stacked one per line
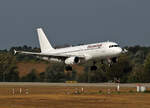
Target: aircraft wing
<point>56,55</point>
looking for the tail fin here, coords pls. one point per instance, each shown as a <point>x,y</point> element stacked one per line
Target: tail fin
<point>44,43</point>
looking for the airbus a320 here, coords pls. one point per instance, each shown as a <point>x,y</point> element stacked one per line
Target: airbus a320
<point>76,54</point>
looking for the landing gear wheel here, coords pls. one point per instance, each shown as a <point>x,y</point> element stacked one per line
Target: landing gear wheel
<point>68,68</point>
<point>94,62</point>
<point>93,68</point>
<point>110,65</point>
<point>114,60</point>
<point>102,61</point>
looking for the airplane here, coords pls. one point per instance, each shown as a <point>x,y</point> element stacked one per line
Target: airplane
<point>76,54</point>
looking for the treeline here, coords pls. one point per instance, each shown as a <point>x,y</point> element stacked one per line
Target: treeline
<point>131,67</point>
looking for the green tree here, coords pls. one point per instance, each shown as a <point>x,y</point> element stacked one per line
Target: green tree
<point>120,70</point>
<point>8,67</point>
<point>55,73</point>
<point>31,77</point>
<point>147,68</point>
<point>94,76</point>
<point>137,74</point>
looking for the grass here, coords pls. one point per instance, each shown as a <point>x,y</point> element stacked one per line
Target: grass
<point>66,97</point>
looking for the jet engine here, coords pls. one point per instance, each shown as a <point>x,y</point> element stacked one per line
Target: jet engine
<point>72,60</point>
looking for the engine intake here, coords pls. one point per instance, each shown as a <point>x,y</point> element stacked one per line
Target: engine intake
<point>72,60</point>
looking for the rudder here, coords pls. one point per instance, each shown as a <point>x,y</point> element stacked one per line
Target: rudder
<point>44,43</point>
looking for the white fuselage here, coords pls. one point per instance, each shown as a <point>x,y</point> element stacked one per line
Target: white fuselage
<point>71,55</point>
<point>98,50</point>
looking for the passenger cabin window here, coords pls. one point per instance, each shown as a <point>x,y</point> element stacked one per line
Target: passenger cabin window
<point>113,46</point>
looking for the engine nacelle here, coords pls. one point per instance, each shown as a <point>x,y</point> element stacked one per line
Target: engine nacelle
<point>72,60</point>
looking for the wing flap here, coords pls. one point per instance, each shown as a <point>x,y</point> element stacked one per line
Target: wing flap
<point>55,55</point>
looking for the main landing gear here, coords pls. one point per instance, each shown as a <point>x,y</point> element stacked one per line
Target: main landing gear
<point>68,68</point>
<point>94,67</point>
<point>109,61</point>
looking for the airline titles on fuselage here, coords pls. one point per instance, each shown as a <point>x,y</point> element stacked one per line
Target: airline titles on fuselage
<point>94,46</point>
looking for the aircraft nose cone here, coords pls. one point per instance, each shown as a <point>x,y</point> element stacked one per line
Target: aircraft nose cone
<point>119,50</point>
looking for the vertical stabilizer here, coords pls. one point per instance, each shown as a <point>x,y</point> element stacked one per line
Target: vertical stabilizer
<point>44,43</point>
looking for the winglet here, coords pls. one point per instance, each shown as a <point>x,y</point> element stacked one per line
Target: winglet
<point>15,52</point>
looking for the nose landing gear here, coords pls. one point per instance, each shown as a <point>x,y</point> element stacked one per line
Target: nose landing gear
<point>114,60</point>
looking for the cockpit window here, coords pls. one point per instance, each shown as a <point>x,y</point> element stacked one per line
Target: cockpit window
<point>113,46</point>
